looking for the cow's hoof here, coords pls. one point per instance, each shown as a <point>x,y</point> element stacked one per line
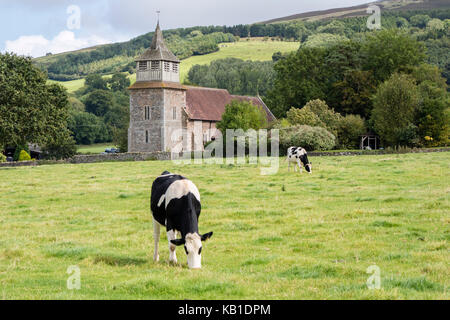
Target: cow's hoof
<point>156,258</point>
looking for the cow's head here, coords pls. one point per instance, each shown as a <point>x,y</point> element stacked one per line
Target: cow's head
<point>306,163</point>
<point>193,248</point>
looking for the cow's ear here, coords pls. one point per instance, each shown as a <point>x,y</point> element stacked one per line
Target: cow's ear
<point>178,242</point>
<point>206,236</point>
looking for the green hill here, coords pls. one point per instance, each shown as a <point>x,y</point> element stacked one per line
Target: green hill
<point>256,49</point>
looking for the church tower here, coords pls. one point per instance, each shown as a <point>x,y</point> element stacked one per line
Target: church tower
<point>157,100</point>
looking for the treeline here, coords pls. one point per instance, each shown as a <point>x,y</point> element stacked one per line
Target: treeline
<point>338,38</point>
<point>383,79</point>
<point>237,76</point>
<point>99,111</point>
<point>73,65</point>
<point>185,42</point>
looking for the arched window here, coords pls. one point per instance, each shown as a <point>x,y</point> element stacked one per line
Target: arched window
<point>146,136</point>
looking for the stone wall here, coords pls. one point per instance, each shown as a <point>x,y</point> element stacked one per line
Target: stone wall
<point>146,156</point>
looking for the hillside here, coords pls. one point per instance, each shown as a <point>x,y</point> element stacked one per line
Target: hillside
<point>357,11</point>
<point>255,49</point>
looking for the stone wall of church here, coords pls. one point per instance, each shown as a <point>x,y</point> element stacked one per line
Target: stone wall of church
<point>161,129</point>
<point>174,102</point>
<point>145,135</point>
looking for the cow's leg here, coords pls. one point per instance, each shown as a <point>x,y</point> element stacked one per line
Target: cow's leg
<point>156,235</point>
<point>171,235</point>
<point>299,165</point>
<point>289,165</point>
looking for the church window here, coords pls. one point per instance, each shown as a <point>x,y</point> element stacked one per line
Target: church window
<point>146,136</point>
<point>155,65</point>
<point>174,110</point>
<point>167,66</point>
<point>147,113</point>
<point>142,65</point>
<point>175,67</point>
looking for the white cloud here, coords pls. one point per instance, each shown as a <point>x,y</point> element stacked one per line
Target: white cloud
<point>38,45</point>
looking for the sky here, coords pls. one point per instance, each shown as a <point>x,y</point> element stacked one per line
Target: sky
<point>36,27</point>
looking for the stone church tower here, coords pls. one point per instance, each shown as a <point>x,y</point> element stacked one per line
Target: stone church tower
<point>167,116</point>
<point>157,100</point>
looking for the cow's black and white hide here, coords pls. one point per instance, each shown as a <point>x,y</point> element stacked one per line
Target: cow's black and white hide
<point>298,156</point>
<point>175,204</point>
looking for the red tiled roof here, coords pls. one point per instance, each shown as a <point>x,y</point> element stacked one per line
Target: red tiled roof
<point>209,104</point>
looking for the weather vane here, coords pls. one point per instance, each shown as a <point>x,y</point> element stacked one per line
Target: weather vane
<point>158,12</point>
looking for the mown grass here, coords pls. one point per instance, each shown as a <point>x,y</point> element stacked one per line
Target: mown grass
<point>285,236</point>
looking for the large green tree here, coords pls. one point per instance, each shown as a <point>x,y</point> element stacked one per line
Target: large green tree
<point>99,102</point>
<point>242,115</point>
<point>396,102</point>
<point>30,110</point>
<point>388,51</point>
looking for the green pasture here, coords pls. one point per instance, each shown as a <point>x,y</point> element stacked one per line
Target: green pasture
<point>282,236</point>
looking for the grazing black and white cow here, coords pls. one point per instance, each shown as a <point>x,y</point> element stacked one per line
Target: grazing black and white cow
<point>175,204</point>
<point>298,155</point>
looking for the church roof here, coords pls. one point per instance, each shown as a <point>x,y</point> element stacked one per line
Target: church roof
<point>158,49</point>
<point>209,104</point>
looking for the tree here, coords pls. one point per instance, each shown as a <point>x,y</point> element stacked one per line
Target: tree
<point>388,51</point>
<point>119,82</point>
<point>242,115</point>
<point>300,77</point>
<point>30,110</point>
<point>395,104</point>
<point>99,102</point>
<point>432,118</point>
<point>328,116</point>
<point>304,116</point>
<point>95,82</point>
<point>419,20</point>
<point>88,128</point>
<point>351,127</point>
<point>353,94</point>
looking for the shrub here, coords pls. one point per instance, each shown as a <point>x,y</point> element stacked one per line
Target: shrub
<point>19,148</point>
<point>304,116</point>
<point>2,157</point>
<point>310,138</point>
<point>328,116</point>
<point>24,156</point>
<point>351,127</point>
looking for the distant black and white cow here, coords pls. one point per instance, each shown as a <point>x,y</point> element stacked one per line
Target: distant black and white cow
<point>298,156</point>
<point>175,204</point>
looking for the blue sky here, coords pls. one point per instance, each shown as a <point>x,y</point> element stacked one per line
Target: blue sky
<point>34,27</point>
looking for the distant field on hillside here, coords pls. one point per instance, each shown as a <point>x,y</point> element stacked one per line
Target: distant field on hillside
<point>255,49</point>
<point>284,236</point>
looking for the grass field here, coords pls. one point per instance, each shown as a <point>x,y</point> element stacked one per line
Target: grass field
<point>93,148</point>
<point>286,236</point>
<point>255,49</point>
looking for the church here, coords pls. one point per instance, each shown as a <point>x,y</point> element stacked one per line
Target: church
<point>166,116</point>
